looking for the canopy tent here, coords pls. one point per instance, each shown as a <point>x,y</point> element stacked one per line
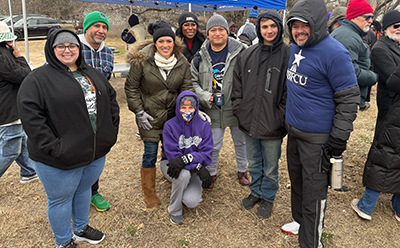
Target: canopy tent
<point>201,5</point>
<point>196,5</point>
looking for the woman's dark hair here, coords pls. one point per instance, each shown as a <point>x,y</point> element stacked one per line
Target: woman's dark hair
<point>178,47</point>
<point>199,34</point>
<point>7,58</point>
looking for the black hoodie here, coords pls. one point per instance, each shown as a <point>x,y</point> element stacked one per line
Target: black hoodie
<point>259,85</point>
<point>54,115</point>
<point>314,12</point>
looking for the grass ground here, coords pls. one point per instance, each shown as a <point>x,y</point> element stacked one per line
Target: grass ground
<point>217,222</point>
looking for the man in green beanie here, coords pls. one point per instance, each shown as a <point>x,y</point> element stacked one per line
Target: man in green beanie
<point>99,56</point>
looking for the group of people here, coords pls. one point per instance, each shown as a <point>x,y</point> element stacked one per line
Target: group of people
<point>263,93</point>
<point>185,88</point>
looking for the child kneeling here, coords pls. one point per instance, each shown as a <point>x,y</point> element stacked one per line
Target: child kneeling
<point>188,146</point>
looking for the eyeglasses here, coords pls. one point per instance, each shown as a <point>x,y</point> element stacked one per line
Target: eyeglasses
<point>368,17</point>
<point>396,26</point>
<point>71,48</point>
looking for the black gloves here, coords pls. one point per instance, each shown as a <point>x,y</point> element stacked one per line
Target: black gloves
<point>333,147</point>
<point>337,146</point>
<point>204,175</point>
<point>176,165</point>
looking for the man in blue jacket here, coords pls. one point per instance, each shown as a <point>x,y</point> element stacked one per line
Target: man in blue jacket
<point>322,99</point>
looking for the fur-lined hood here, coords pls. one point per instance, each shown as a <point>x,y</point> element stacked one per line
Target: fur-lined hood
<point>144,50</point>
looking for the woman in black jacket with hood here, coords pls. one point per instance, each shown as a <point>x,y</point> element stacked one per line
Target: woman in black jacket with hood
<point>189,32</point>
<point>70,114</point>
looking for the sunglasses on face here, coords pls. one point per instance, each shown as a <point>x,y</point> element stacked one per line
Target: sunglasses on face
<point>368,17</point>
<point>396,26</point>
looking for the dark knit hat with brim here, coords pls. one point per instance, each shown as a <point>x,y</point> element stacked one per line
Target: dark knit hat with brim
<point>187,17</point>
<point>390,18</point>
<point>160,29</point>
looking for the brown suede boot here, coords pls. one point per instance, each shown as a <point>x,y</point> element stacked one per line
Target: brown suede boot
<point>149,186</point>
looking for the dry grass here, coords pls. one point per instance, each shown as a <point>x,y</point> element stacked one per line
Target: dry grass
<point>217,222</point>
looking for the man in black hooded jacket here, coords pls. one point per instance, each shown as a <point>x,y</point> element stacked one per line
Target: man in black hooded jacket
<point>258,101</point>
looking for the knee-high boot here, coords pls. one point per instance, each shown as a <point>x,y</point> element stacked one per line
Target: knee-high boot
<point>149,186</point>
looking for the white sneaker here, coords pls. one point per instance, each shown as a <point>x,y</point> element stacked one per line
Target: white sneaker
<point>291,228</point>
<point>360,213</point>
<point>29,179</point>
<point>397,217</point>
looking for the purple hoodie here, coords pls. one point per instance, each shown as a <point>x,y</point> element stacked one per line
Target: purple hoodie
<point>194,137</point>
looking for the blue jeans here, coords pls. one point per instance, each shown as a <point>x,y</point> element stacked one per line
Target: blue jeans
<point>263,157</point>
<point>13,148</point>
<point>150,154</point>
<point>367,203</point>
<point>68,195</point>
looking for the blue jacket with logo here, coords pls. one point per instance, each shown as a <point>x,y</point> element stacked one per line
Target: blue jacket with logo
<point>322,90</point>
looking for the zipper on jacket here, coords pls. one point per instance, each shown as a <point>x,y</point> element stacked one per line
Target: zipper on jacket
<point>94,131</point>
<point>268,81</point>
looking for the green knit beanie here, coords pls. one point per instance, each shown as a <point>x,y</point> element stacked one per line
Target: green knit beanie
<point>93,17</point>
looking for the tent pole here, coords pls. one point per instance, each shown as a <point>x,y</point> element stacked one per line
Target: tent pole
<point>284,20</point>
<point>25,32</point>
<point>11,19</point>
<point>131,8</point>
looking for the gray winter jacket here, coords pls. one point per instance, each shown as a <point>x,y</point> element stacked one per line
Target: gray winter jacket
<point>202,78</point>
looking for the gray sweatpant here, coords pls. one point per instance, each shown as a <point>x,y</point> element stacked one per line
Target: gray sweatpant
<point>186,189</point>
<point>240,149</point>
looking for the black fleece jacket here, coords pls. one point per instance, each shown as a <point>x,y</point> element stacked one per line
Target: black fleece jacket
<point>54,115</point>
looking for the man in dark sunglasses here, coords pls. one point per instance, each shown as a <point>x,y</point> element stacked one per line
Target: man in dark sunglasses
<point>359,17</point>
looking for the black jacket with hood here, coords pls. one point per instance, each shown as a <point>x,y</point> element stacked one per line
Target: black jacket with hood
<point>54,115</point>
<point>382,169</point>
<point>259,85</point>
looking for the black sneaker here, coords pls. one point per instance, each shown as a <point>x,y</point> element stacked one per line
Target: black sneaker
<point>249,202</point>
<point>364,106</point>
<point>69,244</point>
<point>176,219</point>
<point>265,209</point>
<point>90,235</point>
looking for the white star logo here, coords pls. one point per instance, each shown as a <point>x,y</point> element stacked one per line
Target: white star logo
<point>297,58</point>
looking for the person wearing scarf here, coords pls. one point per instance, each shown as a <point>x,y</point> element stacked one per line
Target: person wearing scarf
<point>159,73</point>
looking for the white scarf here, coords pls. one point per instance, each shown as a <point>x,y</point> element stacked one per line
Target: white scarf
<point>164,65</point>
